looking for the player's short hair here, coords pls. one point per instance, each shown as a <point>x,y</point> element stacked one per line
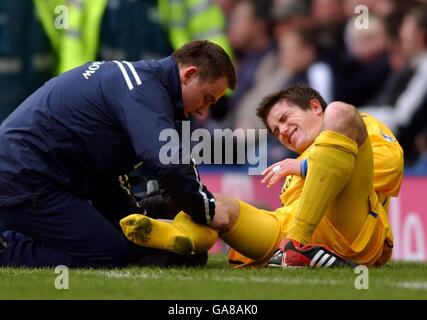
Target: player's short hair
<point>212,61</point>
<point>298,94</point>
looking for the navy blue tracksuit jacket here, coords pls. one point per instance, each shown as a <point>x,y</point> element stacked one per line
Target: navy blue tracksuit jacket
<point>102,118</point>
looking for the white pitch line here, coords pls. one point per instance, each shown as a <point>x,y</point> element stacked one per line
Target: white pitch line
<point>414,285</point>
<point>159,274</point>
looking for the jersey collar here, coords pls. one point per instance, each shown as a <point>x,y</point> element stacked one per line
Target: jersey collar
<point>172,83</point>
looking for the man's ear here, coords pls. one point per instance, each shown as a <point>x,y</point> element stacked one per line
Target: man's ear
<point>188,73</point>
<point>316,106</point>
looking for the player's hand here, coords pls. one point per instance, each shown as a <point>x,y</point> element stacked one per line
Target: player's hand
<point>221,219</point>
<point>279,170</point>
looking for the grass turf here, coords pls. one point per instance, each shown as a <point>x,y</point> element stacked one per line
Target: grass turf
<point>397,280</point>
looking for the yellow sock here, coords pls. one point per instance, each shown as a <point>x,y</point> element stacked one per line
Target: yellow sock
<point>330,166</point>
<point>254,234</point>
<point>156,234</point>
<point>202,236</point>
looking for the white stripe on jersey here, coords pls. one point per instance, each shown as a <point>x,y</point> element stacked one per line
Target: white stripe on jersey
<point>125,74</point>
<point>135,75</point>
<point>204,195</point>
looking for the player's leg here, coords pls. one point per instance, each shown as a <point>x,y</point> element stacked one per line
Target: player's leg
<point>157,234</point>
<point>356,226</point>
<point>202,236</point>
<point>241,235</point>
<point>330,166</point>
<point>255,233</point>
<point>181,235</point>
<point>63,229</point>
<point>348,211</point>
<point>113,198</point>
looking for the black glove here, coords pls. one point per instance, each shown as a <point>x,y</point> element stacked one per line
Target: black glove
<point>157,203</point>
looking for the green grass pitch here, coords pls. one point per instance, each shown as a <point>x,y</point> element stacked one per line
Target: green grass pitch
<point>397,280</point>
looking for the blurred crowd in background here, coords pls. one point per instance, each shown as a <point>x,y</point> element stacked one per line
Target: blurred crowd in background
<point>377,63</point>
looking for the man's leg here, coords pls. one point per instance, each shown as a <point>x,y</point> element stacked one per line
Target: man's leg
<point>156,234</point>
<point>253,232</point>
<point>348,211</point>
<point>63,229</point>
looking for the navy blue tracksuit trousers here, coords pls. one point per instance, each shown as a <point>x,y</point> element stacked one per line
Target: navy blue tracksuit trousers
<point>63,229</point>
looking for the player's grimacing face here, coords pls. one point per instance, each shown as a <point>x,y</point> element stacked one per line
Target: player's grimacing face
<point>294,127</point>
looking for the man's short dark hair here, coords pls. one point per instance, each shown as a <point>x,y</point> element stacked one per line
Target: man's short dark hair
<point>299,95</point>
<point>212,61</point>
